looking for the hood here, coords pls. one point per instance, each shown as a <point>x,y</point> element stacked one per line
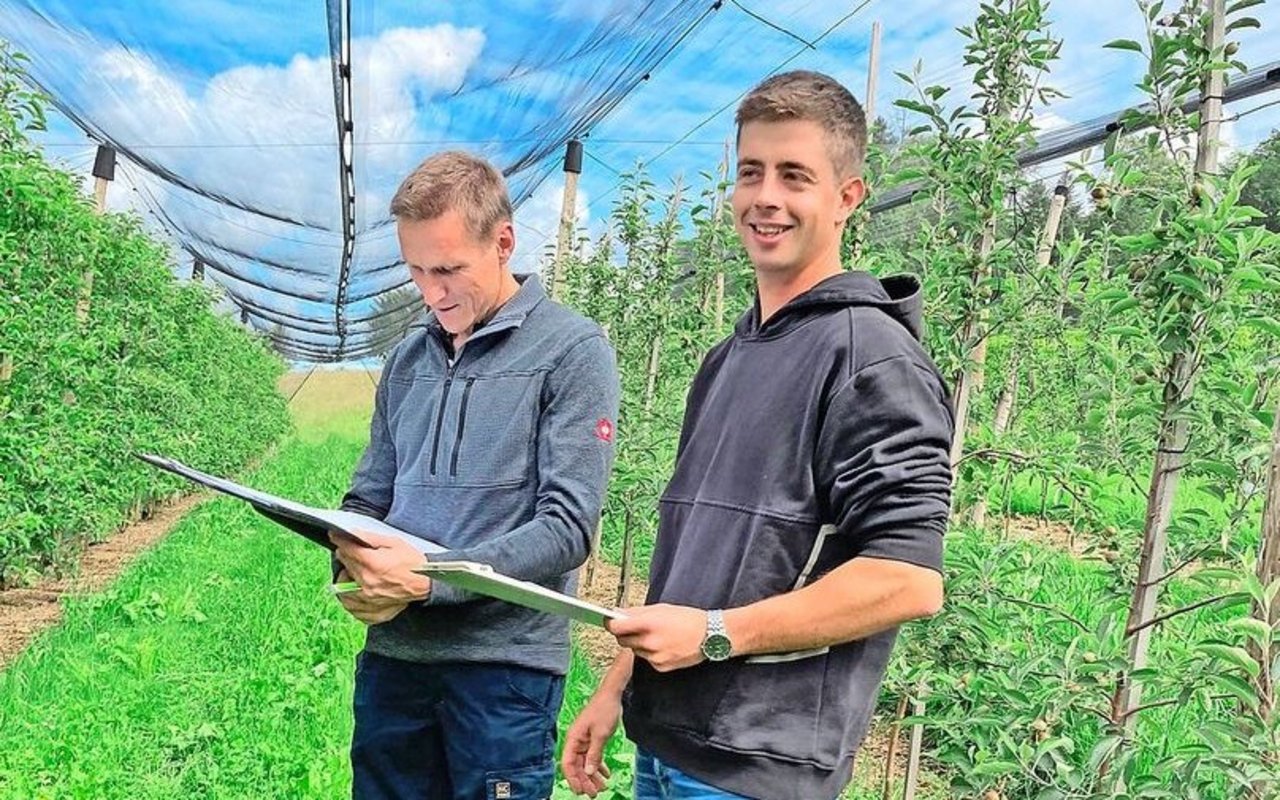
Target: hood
<point>898,296</point>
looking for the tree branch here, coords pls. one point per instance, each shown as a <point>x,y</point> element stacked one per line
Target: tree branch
<point>1043,607</point>
<point>1170,701</point>
<point>1181,566</point>
<point>1157,620</point>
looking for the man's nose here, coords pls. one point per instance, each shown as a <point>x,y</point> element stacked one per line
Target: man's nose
<point>434,291</point>
<point>767,192</point>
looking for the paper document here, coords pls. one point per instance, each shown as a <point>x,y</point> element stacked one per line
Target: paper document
<point>481,579</point>
<point>313,523</point>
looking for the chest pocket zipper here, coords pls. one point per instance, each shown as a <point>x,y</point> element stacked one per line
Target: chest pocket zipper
<point>462,424</point>
<point>444,402</point>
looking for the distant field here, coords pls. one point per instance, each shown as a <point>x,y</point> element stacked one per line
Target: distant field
<point>326,402</point>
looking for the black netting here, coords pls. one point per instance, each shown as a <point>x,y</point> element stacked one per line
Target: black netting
<point>251,168</point>
<point>268,138</point>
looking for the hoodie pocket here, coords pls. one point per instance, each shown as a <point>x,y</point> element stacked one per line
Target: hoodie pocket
<point>685,699</point>
<point>777,708</point>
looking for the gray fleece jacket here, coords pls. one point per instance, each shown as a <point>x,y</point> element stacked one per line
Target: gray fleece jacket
<point>501,457</point>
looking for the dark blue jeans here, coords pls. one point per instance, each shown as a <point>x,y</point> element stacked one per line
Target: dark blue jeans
<point>445,731</point>
<point>657,780</point>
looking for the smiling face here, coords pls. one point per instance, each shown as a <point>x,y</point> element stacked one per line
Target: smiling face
<point>789,201</point>
<point>464,279</point>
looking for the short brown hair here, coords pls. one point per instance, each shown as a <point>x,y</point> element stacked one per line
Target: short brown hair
<point>814,97</point>
<point>454,181</point>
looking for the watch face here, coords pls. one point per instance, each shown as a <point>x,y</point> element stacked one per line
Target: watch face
<point>717,647</point>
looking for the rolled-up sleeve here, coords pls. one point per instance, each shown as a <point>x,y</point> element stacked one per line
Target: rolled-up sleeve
<point>883,461</point>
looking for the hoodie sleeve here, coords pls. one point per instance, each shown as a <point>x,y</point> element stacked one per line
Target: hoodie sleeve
<point>883,461</point>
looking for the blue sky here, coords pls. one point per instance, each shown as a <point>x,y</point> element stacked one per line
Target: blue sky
<point>237,97</point>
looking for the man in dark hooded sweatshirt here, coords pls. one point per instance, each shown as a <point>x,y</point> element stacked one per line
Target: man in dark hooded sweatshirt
<point>804,520</point>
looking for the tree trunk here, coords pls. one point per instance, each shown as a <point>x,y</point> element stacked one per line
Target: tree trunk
<point>975,337</point>
<point>624,573</point>
<point>655,355</point>
<point>1171,450</point>
<point>1269,573</point>
<point>1169,460</point>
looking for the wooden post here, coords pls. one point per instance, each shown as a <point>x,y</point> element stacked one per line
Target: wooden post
<point>6,367</point>
<point>913,753</point>
<point>568,215</point>
<point>719,213</point>
<point>104,171</point>
<point>594,561</point>
<point>886,791</point>
<point>970,378</point>
<point>1051,224</point>
<point>1211,94</point>
<point>857,224</point>
<point>1004,412</point>
<point>873,67</point>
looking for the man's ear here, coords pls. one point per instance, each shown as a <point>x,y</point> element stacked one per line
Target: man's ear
<point>853,190</point>
<point>505,238</point>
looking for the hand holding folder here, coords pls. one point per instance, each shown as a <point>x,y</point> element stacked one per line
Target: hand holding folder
<point>316,524</point>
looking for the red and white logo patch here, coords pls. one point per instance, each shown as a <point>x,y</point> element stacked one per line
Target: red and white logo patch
<point>604,430</point>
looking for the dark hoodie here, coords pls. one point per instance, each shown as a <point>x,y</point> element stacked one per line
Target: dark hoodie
<point>820,436</point>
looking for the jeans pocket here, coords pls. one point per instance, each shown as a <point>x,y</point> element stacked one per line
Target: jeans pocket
<point>537,690</point>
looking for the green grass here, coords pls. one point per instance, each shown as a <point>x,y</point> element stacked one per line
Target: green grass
<point>1199,517</point>
<point>218,666</point>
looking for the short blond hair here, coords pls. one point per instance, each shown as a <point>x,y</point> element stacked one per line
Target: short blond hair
<point>813,97</point>
<point>454,181</point>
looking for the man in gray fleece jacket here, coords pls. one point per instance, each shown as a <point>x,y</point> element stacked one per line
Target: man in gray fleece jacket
<point>803,522</point>
<point>492,435</point>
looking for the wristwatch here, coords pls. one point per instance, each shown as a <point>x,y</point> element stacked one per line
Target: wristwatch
<point>716,645</point>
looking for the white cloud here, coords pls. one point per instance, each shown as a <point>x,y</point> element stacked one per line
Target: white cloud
<point>266,134</point>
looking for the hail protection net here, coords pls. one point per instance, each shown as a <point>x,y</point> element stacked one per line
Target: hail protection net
<point>268,137</point>
<point>277,174</point>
